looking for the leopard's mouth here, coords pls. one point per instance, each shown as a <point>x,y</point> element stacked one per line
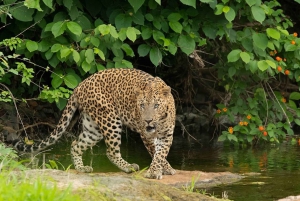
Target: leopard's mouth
<point>150,129</point>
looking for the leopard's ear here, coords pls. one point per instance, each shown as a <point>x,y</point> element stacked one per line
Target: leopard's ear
<point>166,90</point>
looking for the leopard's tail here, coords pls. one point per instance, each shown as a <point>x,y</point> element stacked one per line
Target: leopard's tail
<point>61,127</point>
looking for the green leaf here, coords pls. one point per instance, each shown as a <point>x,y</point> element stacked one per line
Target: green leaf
<point>95,41</point>
<point>143,50</point>
<point>251,2</point>
<point>76,56</point>
<point>155,56</point>
<point>271,63</point>
<point>58,28</point>
<point>260,40</point>
<point>130,33</point>
<point>136,4</point>
<point>186,43</point>
<point>64,52</point>
<point>127,49</point>
<point>32,45</point>
<point>48,3</point>
<point>262,65</point>
<point>234,55</point>
<point>74,28</point>
<point>68,4</point>
<point>21,13</point>
<point>146,33</point>
<point>175,26</point>
<point>71,81</point>
<point>189,3</point>
<point>86,66</point>
<point>56,47</point>
<point>56,81</point>
<point>252,66</point>
<point>113,31</point>
<point>33,4</point>
<point>295,96</point>
<point>230,15</point>
<point>89,56</point>
<point>174,17</point>
<point>231,71</point>
<point>99,53</point>
<point>273,33</point>
<point>226,9</point>
<point>258,13</point>
<point>123,21</point>
<point>297,121</point>
<point>104,29</point>
<point>245,57</point>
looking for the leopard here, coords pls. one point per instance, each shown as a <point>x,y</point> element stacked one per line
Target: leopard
<point>108,101</point>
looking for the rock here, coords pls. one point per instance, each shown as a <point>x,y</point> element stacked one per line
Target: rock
<point>122,186</point>
<point>291,198</point>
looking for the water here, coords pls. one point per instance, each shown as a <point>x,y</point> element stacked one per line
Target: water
<point>279,166</point>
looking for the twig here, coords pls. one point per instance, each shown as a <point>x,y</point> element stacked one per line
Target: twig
<point>14,101</point>
<point>36,124</point>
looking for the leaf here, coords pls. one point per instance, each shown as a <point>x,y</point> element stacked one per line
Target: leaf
<point>32,45</point>
<point>130,33</point>
<point>33,4</point>
<point>68,4</point>
<point>89,56</point>
<point>273,33</point>
<point>86,66</point>
<point>56,81</point>
<point>251,2</point>
<point>230,15</point>
<point>231,71</point>
<point>225,9</point>
<point>175,26</point>
<point>271,63</point>
<point>297,121</point>
<point>99,53</point>
<point>21,13</point>
<point>76,56</point>
<point>64,52</point>
<point>174,17</point>
<point>123,21</point>
<point>245,57</point>
<point>146,33</point>
<point>127,49</point>
<point>155,56</point>
<point>95,41</point>
<point>58,28</point>
<point>258,13</point>
<point>113,32</point>
<point>260,40</point>
<point>143,50</point>
<point>262,65</point>
<point>295,96</point>
<point>189,3</point>
<point>187,44</point>
<point>71,81</point>
<point>74,28</point>
<point>234,55</point>
<point>136,4</point>
<point>48,3</point>
<point>56,47</point>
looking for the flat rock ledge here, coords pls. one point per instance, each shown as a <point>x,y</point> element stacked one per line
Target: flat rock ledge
<point>122,186</point>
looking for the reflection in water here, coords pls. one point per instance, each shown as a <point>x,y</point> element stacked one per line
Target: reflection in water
<point>279,165</point>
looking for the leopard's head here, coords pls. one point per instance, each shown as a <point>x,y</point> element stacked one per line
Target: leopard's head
<point>153,104</point>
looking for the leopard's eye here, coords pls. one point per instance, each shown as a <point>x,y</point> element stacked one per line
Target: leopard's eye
<point>156,106</point>
<point>142,105</point>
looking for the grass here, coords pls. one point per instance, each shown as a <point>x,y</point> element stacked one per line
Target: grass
<point>15,187</point>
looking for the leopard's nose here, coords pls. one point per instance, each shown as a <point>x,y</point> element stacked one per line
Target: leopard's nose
<point>148,121</point>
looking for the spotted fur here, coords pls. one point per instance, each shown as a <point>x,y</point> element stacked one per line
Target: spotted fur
<point>110,99</point>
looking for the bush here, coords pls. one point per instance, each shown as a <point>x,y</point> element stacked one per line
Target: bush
<point>253,52</point>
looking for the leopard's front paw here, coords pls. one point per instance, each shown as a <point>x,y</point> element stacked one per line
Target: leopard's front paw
<point>132,168</point>
<point>153,174</point>
<point>86,169</point>
<point>169,171</point>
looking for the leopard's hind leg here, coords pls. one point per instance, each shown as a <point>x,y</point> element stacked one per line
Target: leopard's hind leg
<point>89,136</point>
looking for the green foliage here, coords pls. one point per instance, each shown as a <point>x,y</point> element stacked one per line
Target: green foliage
<point>73,39</point>
<point>8,160</point>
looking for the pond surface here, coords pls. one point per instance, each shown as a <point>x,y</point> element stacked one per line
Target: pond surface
<point>278,165</point>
